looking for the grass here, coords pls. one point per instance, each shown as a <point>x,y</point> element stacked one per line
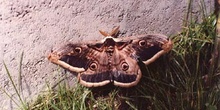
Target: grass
<point>182,79</point>
<point>17,90</point>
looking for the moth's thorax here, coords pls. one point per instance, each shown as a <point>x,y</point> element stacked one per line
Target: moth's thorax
<point>109,44</point>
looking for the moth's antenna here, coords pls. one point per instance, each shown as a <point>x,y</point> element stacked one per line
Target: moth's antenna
<point>104,33</point>
<point>113,32</point>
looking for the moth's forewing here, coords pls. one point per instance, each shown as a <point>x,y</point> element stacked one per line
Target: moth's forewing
<point>150,47</point>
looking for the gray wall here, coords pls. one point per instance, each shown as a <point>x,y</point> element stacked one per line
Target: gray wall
<point>36,26</point>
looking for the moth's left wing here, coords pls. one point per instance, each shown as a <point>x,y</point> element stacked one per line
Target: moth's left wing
<point>71,57</point>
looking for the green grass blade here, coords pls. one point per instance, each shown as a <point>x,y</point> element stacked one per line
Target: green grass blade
<point>8,94</point>
<point>19,74</point>
<point>13,84</point>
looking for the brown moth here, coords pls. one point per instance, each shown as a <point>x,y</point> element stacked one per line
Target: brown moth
<point>111,60</point>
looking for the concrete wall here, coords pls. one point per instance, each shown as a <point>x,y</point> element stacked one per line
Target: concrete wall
<point>35,26</point>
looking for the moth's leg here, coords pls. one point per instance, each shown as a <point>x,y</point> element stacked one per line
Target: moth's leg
<point>54,58</point>
<point>166,48</point>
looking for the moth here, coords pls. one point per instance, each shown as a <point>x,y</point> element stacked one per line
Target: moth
<point>111,60</point>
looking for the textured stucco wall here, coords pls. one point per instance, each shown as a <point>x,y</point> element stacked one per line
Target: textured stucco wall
<point>35,26</point>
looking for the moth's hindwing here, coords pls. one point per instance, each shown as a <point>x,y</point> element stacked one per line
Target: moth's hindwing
<point>126,72</point>
<point>97,72</point>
